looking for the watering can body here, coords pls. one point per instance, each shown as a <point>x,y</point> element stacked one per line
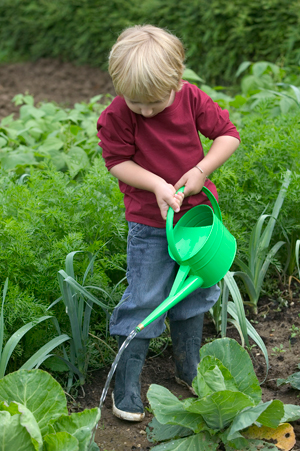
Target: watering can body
<point>203,248</point>
<point>201,242</point>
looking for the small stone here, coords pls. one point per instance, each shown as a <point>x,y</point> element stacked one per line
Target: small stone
<point>143,432</point>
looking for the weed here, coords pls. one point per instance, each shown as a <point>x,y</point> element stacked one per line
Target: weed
<point>278,350</point>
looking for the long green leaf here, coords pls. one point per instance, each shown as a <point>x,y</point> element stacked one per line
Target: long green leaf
<point>244,267</point>
<point>255,243</point>
<point>297,257</point>
<point>14,340</point>
<point>86,293</point>
<point>225,295</point>
<point>2,316</point>
<point>43,353</point>
<point>250,288</point>
<point>72,313</point>
<point>252,334</point>
<point>267,235</point>
<point>237,299</point>
<point>259,277</point>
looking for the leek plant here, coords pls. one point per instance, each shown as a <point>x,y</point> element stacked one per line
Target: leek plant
<point>39,357</point>
<point>78,301</point>
<point>259,255</point>
<point>235,309</point>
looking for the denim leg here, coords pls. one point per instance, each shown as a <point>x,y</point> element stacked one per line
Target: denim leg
<point>150,275</point>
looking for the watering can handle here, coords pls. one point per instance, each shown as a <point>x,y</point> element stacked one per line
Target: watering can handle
<point>170,217</point>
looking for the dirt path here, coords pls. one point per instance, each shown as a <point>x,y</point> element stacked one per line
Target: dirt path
<point>51,80</point>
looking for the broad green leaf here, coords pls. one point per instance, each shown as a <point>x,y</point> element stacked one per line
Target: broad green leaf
<point>157,432</point>
<point>220,408</point>
<point>77,160</point>
<point>3,141</point>
<point>169,410</point>
<point>51,143</point>
<point>190,75</point>
<point>13,436</point>
<point>30,111</point>
<point>242,67</point>
<point>268,414</point>
<point>238,362</point>
<point>291,413</point>
<point>80,425</point>
<point>212,376</point>
<point>286,104</point>
<point>58,158</point>
<point>37,391</point>
<point>198,442</point>
<point>27,421</point>
<point>61,441</point>
<point>18,158</point>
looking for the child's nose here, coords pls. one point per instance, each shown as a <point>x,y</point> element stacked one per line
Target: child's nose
<point>146,111</point>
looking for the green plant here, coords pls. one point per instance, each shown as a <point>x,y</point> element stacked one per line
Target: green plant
<point>295,331</point>
<point>293,379</point>
<point>78,302</point>
<point>66,137</point>
<point>34,415</point>
<point>277,350</point>
<point>42,354</point>
<point>259,255</point>
<point>266,83</point>
<point>50,215</point>
<point>228,403</point>
<point>235,309</point>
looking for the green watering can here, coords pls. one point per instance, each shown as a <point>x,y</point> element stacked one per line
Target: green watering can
<point>203,249</point>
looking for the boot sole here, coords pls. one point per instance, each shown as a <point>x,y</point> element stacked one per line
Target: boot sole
<point>185,384</point>
<point>128,416</point>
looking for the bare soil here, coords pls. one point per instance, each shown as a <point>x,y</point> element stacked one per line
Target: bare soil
<point>66,84</point>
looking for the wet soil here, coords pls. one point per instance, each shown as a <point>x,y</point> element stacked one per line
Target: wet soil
<point>66,84</point>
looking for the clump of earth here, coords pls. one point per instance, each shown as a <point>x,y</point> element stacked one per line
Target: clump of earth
<point>67,84</point>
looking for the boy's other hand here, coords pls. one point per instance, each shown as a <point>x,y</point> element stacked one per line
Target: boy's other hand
<point>193,181</point>
<point>166,197</point>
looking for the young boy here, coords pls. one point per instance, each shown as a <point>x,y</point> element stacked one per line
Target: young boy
<point>150,141</point>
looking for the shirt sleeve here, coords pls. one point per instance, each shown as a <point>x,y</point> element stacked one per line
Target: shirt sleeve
<point>212,121</point>
<point>116,138</point>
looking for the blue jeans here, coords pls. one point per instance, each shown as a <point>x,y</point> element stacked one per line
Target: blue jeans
<point>150,275</point>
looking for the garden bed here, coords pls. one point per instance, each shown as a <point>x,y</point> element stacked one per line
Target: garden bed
<point>273,323</point>
<point>67,84</point>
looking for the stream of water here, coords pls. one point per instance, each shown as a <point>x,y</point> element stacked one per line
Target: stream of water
<point>110,376</point>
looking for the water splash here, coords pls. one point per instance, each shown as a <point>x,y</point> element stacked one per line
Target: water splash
<point>110,376</point>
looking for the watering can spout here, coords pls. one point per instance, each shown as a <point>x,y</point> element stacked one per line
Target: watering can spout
<point>190,285</point>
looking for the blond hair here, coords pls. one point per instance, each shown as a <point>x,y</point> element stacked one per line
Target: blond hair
<point>146,63</point>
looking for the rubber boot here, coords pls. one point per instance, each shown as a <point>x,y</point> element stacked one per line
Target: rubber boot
<point>186,339</point>
<point>127,403</point>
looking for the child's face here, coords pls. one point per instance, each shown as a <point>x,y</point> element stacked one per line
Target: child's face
<point>150,109</point>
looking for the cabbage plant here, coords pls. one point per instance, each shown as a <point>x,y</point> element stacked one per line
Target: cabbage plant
<point>227,407</point>
<point>34,415</point>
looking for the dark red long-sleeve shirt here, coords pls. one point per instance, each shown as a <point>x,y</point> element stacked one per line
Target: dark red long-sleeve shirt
<point>167,144</point>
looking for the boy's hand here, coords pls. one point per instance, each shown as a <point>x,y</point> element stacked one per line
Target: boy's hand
<point>166,197</point>
<point>193,182</point>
